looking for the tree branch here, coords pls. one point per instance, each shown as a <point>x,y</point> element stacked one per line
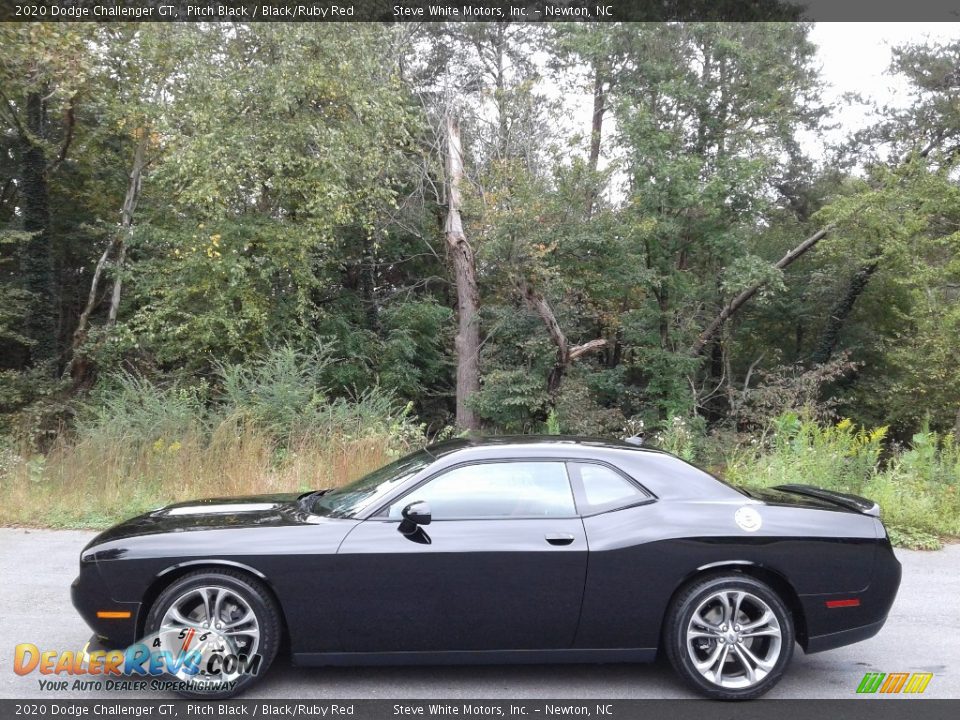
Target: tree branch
<point>565,354</point>
<point>740,300</point>
<point>69,122</point>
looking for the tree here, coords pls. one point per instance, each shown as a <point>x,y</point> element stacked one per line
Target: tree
<point>707,113</point>
<point>42,70</point>
<point>465,275</point>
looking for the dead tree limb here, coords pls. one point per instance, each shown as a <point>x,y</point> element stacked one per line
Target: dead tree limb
<point>740,300</point>
<point>74,368</point>
<point>565,354</point>
<point>126,219</point>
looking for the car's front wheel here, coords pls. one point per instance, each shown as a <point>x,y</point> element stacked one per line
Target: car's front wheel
<point>730,637</point>
<point>219,631</point>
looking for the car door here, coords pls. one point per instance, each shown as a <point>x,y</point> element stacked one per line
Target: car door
<point>500,567</point>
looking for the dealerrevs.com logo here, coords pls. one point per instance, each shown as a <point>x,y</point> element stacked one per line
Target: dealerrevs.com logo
<point>893,683</point>
<point>179,659</point>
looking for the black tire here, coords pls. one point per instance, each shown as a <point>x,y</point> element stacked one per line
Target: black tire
<point>253,592</point>
<point>702,595</point>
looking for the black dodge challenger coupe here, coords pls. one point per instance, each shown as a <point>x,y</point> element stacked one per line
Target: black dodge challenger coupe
<point>505,550</point>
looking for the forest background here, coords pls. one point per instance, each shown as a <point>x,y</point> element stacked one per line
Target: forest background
<point>250,258</point>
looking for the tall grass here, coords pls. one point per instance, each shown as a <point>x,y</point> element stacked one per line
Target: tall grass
<point>917,487</point>
<point>97,481</point>
<point>262,428</point>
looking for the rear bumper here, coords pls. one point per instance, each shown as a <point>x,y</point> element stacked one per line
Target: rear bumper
<point>830,625</point>
<point>833,640</point>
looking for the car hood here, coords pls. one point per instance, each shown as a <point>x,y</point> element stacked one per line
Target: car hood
<point>210,514</point>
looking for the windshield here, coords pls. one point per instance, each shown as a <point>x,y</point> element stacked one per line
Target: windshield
<point>354,498</point>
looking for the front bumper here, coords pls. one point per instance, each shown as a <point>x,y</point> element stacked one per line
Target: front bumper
<point>90,596</point>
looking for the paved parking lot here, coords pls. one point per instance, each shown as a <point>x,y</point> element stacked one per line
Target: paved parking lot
<point>921,635</point>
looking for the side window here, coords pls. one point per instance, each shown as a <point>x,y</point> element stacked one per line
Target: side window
<point>495,490</point>
<point>606,489</point>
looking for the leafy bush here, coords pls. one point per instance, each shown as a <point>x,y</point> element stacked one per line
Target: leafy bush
<point>916,487</point>
<point>132,409</point>
<point>510,399</point>
<point>268,426</point>
<point>277,391</point>
<point>800,450</point>
<point>682,437</point>
<point>577,410</point>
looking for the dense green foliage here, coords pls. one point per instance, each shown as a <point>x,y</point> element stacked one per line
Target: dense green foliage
<point>218,226</point>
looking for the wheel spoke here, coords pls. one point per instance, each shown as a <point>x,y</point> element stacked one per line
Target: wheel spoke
<point>729,648</point>
<point>706,628</point>
<point>764,620</point>
<point>174,614</point>
<point>217,602</point>
<point>252,632</point>
<point>705,666</point>
<point>234,624</point>
<point>725,608</point>
<point>762,664</point>
<point>738,600</point>
<point>207,612</point>
<point>767,631</point>
<point>702,622</point>
<point>748,667</point>
<point>718,671</point>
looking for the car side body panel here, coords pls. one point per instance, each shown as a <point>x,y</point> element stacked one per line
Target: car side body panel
<point>355,591</point>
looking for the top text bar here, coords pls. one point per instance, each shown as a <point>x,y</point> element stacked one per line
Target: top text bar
<point>477,10</point>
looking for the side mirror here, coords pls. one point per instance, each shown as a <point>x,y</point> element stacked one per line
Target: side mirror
<point>414,515</point>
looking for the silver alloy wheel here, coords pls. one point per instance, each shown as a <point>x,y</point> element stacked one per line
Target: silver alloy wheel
<point>222,622</point>
<point>733,639</point>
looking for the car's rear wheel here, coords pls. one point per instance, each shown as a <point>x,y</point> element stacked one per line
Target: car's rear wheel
<point>730,637</point>
<point>221,629</point>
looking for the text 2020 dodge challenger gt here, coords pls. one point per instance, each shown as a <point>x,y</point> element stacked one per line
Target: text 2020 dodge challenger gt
<point>508,550</point>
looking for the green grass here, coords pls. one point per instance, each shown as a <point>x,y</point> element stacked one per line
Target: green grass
<point>917,487</point>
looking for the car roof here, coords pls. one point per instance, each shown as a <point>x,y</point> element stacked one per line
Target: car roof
<point>532,442</point>
<point>666,475</point>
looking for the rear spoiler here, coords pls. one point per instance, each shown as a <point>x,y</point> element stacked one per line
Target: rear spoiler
<point>851,502</point>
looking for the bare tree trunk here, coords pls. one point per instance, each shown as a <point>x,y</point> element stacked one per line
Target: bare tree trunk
<point>467,342</point>
<point>80,334</point>
<point>126,220</point>
<point>740,300</point>
<point>596,133</point>
<point>78,370</point>
<point>565,354</point>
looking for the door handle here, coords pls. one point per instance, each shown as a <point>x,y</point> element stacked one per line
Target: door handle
<point>560,539</point>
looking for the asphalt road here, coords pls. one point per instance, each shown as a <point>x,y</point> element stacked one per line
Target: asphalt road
<point>922,634</point>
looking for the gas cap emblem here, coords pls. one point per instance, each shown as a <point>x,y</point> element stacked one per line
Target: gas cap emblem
<point>748,519</point>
